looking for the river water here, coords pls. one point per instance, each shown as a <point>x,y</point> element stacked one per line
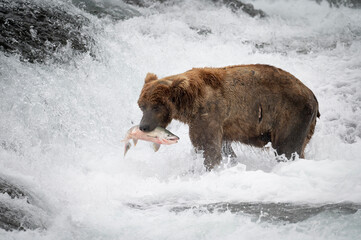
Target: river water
<point>62,122</point>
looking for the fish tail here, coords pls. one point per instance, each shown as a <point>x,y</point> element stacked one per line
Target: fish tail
<point>127,147</point>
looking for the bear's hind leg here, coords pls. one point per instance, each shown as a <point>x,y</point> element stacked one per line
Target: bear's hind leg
<point>310,132</point>
<point>292,137</point>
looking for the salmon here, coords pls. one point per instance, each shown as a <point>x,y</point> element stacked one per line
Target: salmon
<point>158,136</point>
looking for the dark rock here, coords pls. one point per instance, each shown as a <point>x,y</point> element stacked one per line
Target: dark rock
<point>234,5</point>
<point>21,211</point>
<point>345,3</point>
<point>12,190</point>
<point>248,8</point>
<point>139,3</point>
<point>204,31</point>
<point>270,212</point>
<point>286,212</point>
<point>37,33</point>
<point>115,10</point>
<point>13,218</point>
<point>144,3</point>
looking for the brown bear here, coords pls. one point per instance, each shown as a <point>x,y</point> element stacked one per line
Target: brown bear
<point>251,104</point>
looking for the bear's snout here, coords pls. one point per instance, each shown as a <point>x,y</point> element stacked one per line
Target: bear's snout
<point>148,122</point>
<point>144,128</point>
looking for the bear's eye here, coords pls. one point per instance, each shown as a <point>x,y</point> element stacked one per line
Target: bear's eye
<point>156,108</point>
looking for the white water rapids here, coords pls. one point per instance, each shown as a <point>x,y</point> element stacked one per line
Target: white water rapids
<point>61,127</point>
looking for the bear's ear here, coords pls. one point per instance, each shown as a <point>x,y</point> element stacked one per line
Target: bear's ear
<point>181,93</point>
<point>150,77</point>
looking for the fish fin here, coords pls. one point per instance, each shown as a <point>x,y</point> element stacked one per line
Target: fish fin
<point>135,141</point>
<point>156,146</point>
<point>126,148</point>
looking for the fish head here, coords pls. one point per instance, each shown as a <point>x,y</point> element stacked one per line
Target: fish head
<point>165,136</point>
<point>171,140</point>
<point>170,136</point>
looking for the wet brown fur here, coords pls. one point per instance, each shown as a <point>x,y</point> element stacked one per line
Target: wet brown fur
<point>251,104</point>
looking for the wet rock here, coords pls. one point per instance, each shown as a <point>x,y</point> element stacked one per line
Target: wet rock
<point>19,210</point>
<point>12,190</point>
<point>234,5</point>
<point>12,218</point>
<point>202,30</point>
<point>144,3</point>
<point>285,212</point>
<point>270,212</point>
<point>115,10</point>
<point>37,33</point>
<point>248,8</point>
<point>345,3</point>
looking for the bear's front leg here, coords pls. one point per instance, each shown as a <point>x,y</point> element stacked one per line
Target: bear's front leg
<point>207,137</point>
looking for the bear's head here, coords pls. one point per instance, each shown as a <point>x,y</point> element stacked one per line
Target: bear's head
<point>161,99</point>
